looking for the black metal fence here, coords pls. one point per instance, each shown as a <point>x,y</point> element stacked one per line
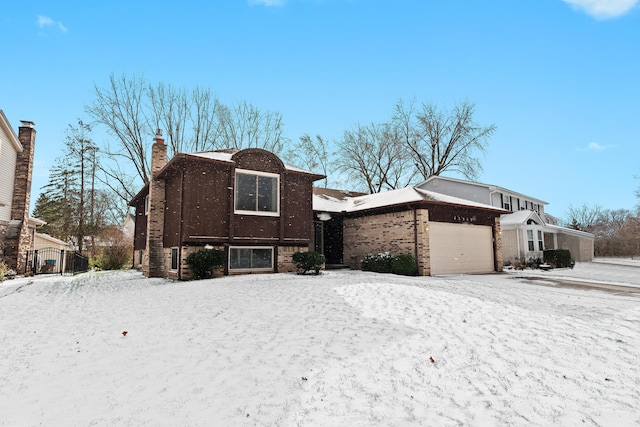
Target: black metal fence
<point>55,261</point>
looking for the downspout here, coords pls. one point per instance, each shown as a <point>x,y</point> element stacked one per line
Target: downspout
<point>180,224</point>
<point>415,234</point>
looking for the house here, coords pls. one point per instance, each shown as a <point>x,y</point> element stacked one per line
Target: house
<point>527,230</point>
<point>445,234</point>
<point>245,202</point>
<point>17,229</point>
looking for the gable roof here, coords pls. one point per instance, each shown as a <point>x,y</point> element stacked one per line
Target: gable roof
<point>223,156</point>
<point>521,217</point>
<point>336,201</point>
<point>492,188</point>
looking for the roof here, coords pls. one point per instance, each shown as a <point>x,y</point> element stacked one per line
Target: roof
<point>336,201</point>
<point>4,124</point>
<point>492,188</point>
<point>226,155</point>
<point>51,239</point>
<point>520,217</point>
<point>223,156</point>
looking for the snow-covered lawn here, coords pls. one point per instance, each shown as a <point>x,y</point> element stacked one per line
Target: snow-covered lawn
<point>342,349</point>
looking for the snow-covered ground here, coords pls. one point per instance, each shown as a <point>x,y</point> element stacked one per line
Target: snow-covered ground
<point>342,349</point>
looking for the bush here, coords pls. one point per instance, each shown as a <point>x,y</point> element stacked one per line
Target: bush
<point>404,264</point>
<point>380,263</point>
<point>307,261</point>
<point>203,261</point>
<point>558,258</point>
<point>3,270</point>
<point>113,257</point>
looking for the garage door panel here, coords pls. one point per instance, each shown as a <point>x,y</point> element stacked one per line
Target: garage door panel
<point>460,248</point>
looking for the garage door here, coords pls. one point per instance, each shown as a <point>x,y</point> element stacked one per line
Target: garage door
<point>460,248</point>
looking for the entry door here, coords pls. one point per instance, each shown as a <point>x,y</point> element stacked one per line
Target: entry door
<point>460,248</point>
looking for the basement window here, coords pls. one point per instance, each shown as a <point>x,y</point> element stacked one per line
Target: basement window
<point>257,193</point>
<point>258,258</point>
<point>174,259</point>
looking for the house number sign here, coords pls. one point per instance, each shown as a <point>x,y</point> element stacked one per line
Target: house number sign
<point>460,218</point>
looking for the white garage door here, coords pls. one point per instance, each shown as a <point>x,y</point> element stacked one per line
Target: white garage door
<point>460,248</point>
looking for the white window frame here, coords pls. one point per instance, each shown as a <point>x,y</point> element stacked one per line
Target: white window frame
<point>232,248</point>
<point>146,204</point>
<point>531,240</point>
<point>540,240</point>
<point>256,212</point>
<point>171,259</point>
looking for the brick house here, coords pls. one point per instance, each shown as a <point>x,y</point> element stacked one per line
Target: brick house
<point>446,235</point>
<point>245,202</point>
<point>17,229</point>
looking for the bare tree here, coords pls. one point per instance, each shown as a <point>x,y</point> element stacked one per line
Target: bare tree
<point>171,111</point>
<point>121,109</point>
<point>439,140</point>
<point>131,110</point>
<point>245,126</point>
<point>372,157</point>
<point>584,218</point>
<point>311,155</point>
<point>205,121</point>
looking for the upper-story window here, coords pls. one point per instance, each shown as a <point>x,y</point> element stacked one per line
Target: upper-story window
<point>257,193</point>
<point>506,202</point>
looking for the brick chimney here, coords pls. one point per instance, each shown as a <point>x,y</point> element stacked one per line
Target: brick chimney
<point>155,216</point>
<point>24,171</point>
<point>20,237</point>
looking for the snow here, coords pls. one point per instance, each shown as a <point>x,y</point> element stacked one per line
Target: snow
<point>227,156</point>
<point>327,203</point>
<point>342,348</point>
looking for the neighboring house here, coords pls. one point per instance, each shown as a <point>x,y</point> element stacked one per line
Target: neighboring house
<point>129,226</point>
<point>49,254</point>
<point>446,235</point>
<point>528,230</point>
<point>247,203</point>
<point>17,229</point>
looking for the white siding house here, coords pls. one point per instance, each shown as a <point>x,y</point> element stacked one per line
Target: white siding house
<point>527,231</point>
<point>9,148</point>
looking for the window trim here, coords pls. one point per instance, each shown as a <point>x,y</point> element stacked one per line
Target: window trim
<point>276,213</point>
<point>271,248</point>
<point>171,268</point>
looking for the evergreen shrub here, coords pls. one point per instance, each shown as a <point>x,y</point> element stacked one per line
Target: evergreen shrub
<point>204,261</point>
<point>308,261</point>
<point>404,264</point>
<point>378,263</point>
<point>558,258</point>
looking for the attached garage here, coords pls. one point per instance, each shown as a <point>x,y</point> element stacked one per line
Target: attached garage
<point>461,248</point>
<point>444,234</point>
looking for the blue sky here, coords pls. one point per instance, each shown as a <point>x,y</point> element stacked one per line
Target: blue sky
<point>559,78</point>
